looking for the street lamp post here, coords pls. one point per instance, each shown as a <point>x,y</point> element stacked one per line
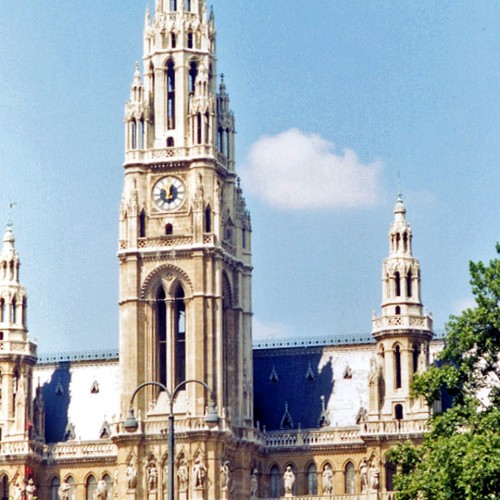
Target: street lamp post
<point>131,423</point>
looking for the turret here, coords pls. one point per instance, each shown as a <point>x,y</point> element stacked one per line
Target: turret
<point>17,353</point>
<point>403,330</point>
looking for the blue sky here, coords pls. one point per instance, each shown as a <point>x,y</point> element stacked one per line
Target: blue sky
<point>332,99</point>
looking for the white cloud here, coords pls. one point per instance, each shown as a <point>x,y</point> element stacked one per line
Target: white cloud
<point>299,170</point>
<point>268,331</point>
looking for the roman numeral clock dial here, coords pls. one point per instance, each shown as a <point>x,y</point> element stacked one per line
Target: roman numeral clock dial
<point>169,193</point>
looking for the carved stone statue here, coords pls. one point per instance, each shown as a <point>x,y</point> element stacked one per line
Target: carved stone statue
<point>288,480</point>
<point>65,490</point>
<point>363,469</point>
<point>373,476</point>
<point>101,492</point>
<point>254,484</point>
<point>225,475</point>
<point>152,477</point>
<point>199,473</point>
<point>182,475</point>
<point>30,489</point>
<point>327,480</point>
<point>131,476</point>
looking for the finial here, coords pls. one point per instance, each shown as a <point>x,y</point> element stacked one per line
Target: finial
<point>400,196</point>
<point>10,222</point>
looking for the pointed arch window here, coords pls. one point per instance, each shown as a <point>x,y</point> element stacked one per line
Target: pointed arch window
<point>170,142</point>
<point>161,334</point>
<point>180,336</point>
<point>193,73</point>
<point>133,134</point>
<point>2,310</point>
<point>24,312</point>
<point>312,480</point>
<point>397,367</point>
<point>91,487</point>
<point>416,353</point>
<point>208,220</point>
<point>190,40</point>
<point>188,6</point>
<point>397,280</point>
<point>142,224</point>
<point>170,95</point>
<point>4,487</point>
<point>207,128</point>
<point>275,482</point>
<point>109,485</point>
<point>141,133</point>
<point>54,488</point>
<point>350,475</point>
<point>169,229</point>
<point>173,5</point>
<point>220,140</point>
<point>409,278</point>
<point>398,310</point>
<point>173,40</point>
<point>13,308</point>
<point>198,128</point>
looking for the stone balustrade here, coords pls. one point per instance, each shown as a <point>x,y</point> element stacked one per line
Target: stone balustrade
<point>397,322</point>
<point>72,450</point>
<point>311,438</point>
<point>18,347</point>
<point>400,427</point>
<point>174,153</point>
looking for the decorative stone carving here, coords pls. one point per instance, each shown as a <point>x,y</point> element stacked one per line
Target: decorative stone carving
<point>152,477</point>
<point>254,484</point>
<point>199,473</point>
<point>101,492</point>
<point>65,490</point>
<point>288,481</point>
<point>30,489</point>
<point>225,476</point>
<point>182,475</point>
<point>327,477</point>
<point>131,474</point>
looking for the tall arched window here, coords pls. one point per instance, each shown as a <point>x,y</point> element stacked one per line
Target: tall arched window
<point>275,482</point>
<point>350,476</point>
<point>169,229</point>
<point>142,224</point>
<point>188,5</point>
<point>390,472</point>
<point>170,95</point>
<point>173,5</point>
<point>208,220</point>
<point>190,40</point>
<point>91,486</point>
<point>180,336</point>
<point>161,334</point>
<point>397,367</point>
<point>133,126</point>
<point>198,129</point>
<point>409,277</point>
<point>54,488</point>
<point>109,485</point>
<point>312,480</point>
<point>141,134</point>
<point>4,487</point>
<point>71,481</point>
<point>416,352</point>
<point>24,313</point>
<point>207,128</point>
<point>2,310</point>
<point>397,279</point>
<point>193,73</point>
<point>13,308</point>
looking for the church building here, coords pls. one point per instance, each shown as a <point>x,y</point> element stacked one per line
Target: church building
<point>189,407</point>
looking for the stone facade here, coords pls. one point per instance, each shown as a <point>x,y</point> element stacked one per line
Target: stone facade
<point>306,419</point>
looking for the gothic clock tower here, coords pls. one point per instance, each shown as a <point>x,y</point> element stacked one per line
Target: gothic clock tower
<point>184,248</point>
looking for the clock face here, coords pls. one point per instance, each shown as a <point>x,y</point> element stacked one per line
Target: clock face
<point>169,193</point>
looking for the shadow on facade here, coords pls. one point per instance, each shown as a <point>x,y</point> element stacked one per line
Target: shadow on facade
<point>56,396</point>
<point>289,388</point>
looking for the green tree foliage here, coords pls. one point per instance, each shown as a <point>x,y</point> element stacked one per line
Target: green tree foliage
<point>460,457</point>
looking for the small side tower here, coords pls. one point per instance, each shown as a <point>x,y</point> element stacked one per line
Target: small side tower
<point>403,330</point>
<point>17,353</point>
